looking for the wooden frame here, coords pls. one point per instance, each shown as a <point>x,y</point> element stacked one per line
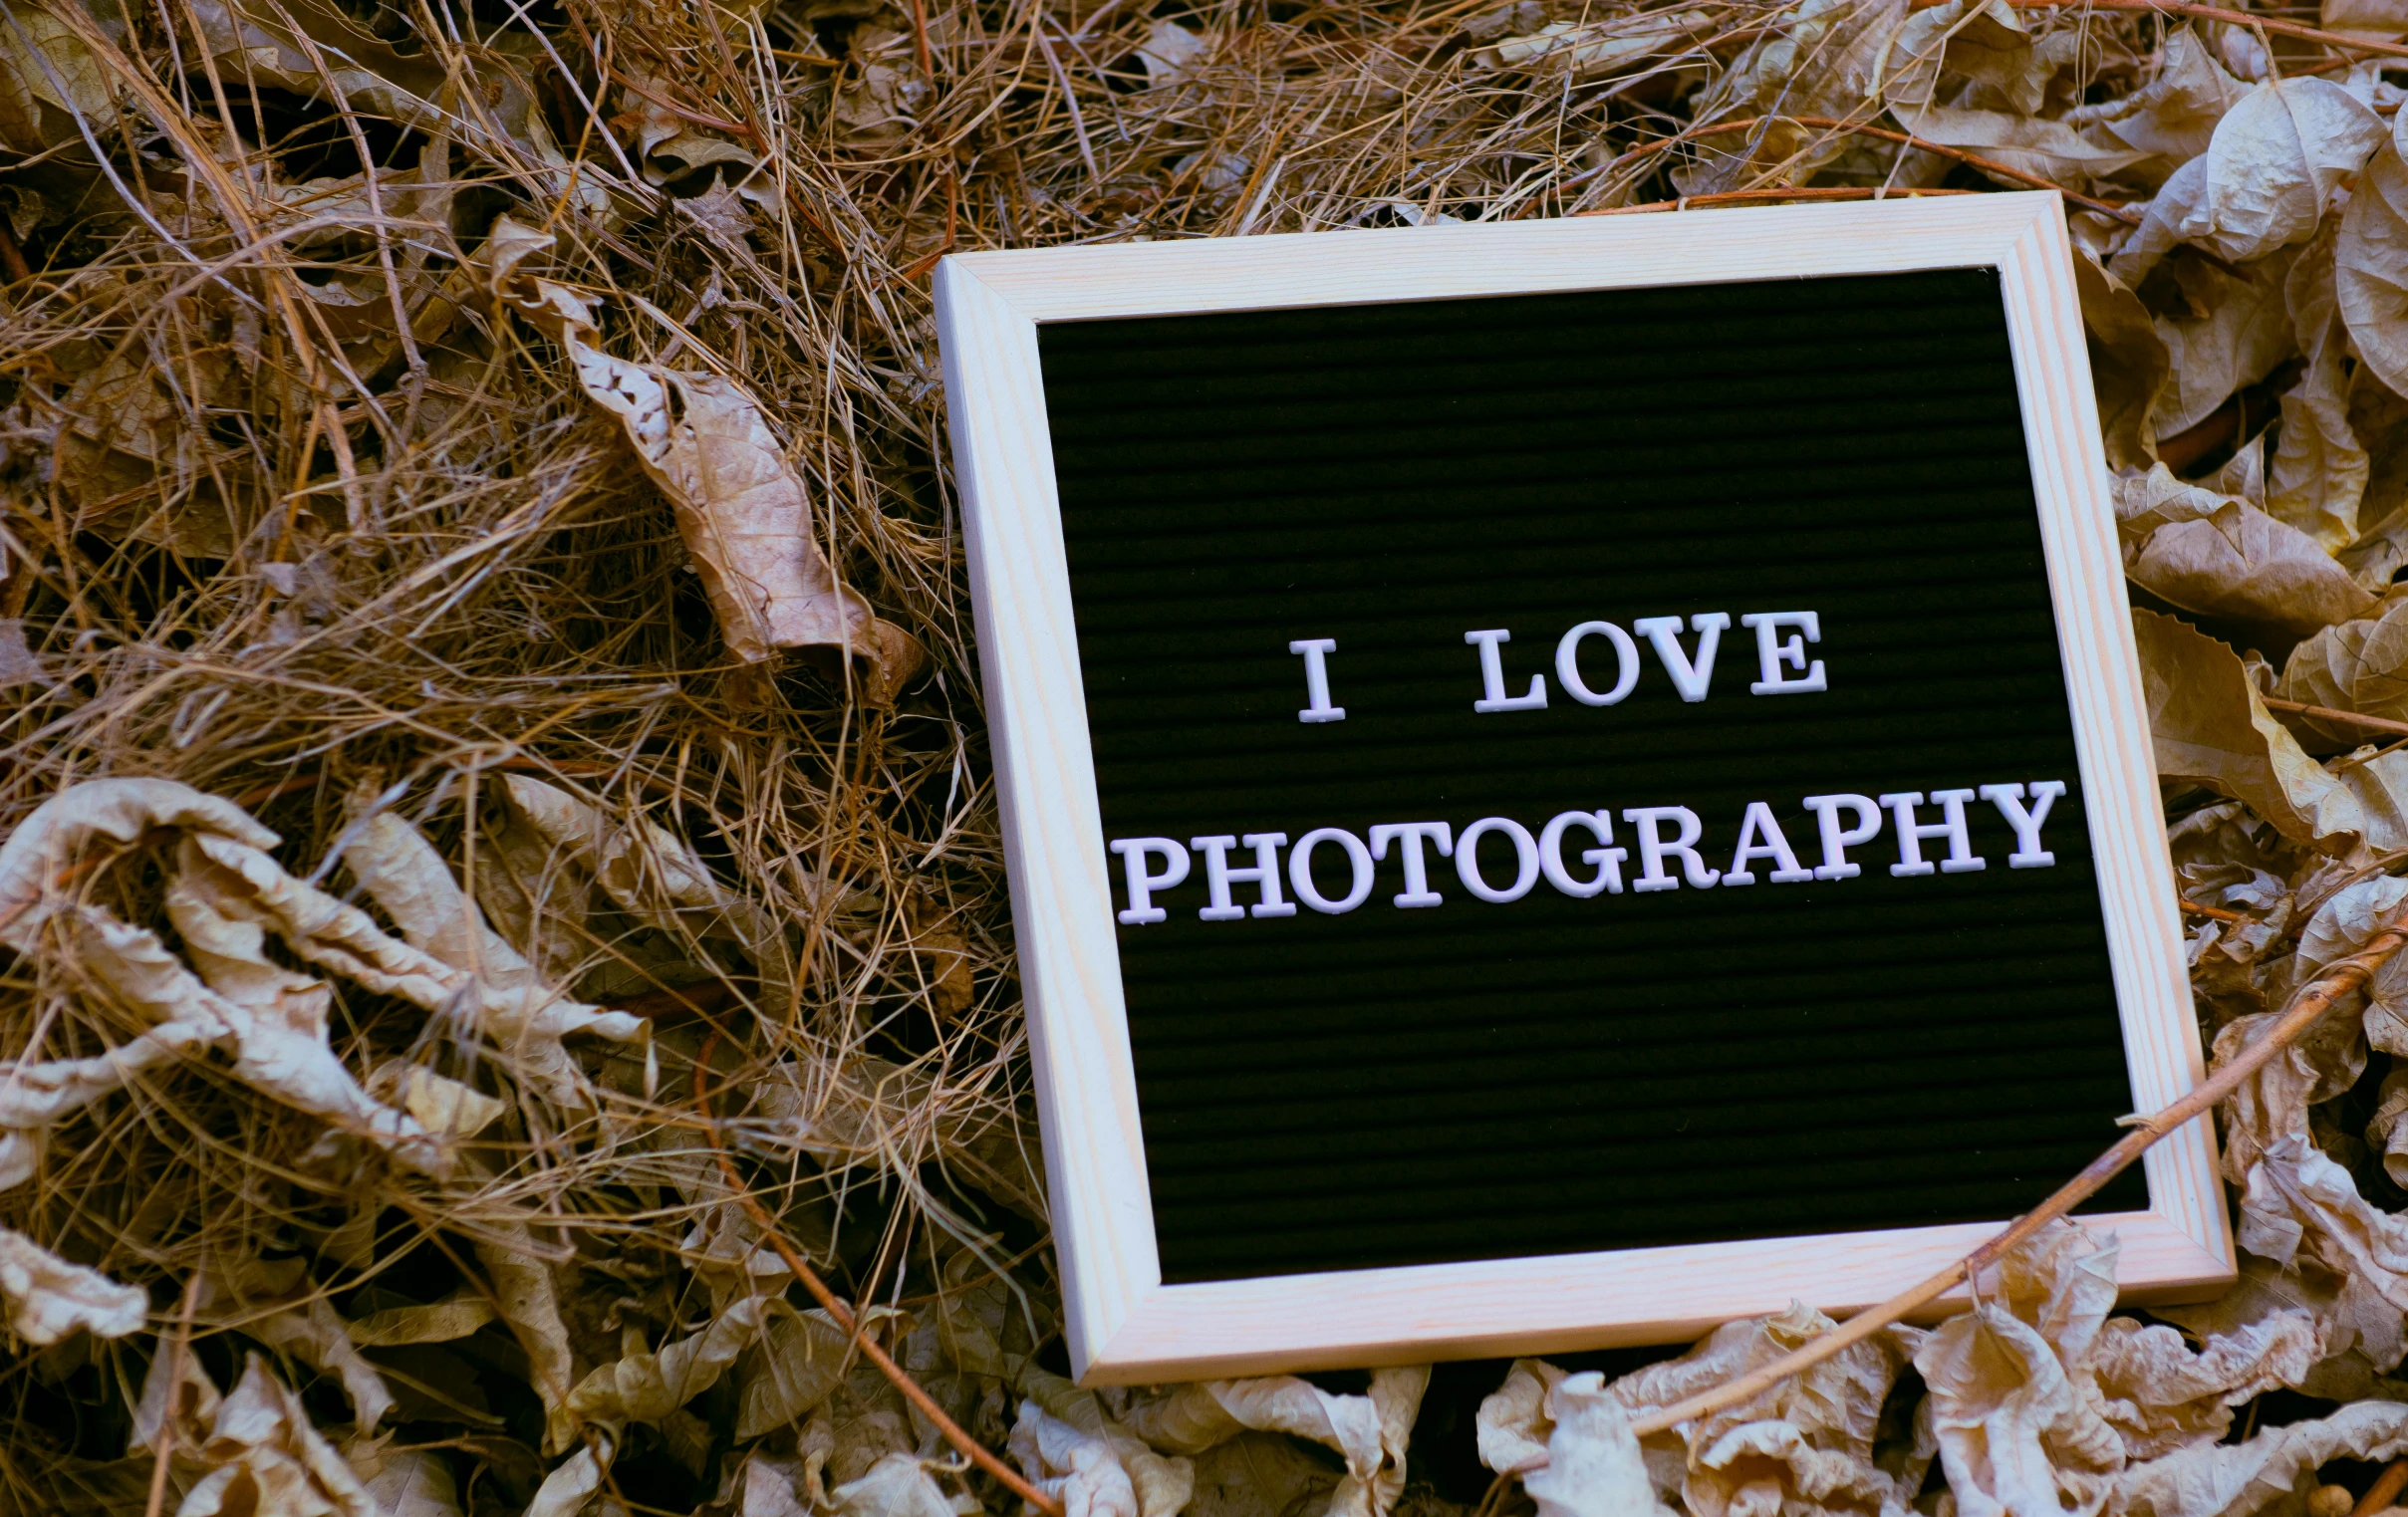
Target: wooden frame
<point>1124,1325</point>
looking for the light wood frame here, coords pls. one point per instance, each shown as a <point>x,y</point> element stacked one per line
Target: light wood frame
<point>1124,1325</point>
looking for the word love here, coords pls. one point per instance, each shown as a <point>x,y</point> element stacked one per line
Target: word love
<point>1664,835</point>
<point>1780,650</point>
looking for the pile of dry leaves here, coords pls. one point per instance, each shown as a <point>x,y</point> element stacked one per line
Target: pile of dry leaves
<point>500,885</point>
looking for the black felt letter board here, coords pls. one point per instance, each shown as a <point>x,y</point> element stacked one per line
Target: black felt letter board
<point>1556,1075</point>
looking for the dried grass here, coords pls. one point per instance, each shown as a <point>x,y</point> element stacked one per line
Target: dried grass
<point>296,512</point>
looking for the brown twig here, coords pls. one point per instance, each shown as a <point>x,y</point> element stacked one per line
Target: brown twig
<point>2305,1010</point>
<point>2386,1489</point>
<point>178,1347</point>
<point>2217,13</point>
<point>975,1452</point>
<point>2213,913</point>
<point>687,113</point>
<point>2328,714</point>
<point>12,257</point>
<point>1903,138</point>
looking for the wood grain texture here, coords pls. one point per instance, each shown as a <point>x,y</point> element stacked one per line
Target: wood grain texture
<point>1568,1302</point>
<point>1515,258</point>
<point>1124,1325</point>
<point>2111,731</point>
<point>1054,844</point>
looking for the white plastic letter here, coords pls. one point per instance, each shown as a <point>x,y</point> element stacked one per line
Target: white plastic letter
<point>1526,859</point>
<point>1316,679</point>
<point>1690,680</point>
<point>1960,859</point>
<point>1568,663</point>
<point>1654,850</point>
<point>1493,676</point>
<point>1300,869</point>
<point>1760,837</point>
<point>1264,870</point>
<point>2028,854</point>
<point>1607,859</point>
<point>1142,886</point>
<point>1837,840</point>
<point>1416,872</point>
<point>1772,650</point>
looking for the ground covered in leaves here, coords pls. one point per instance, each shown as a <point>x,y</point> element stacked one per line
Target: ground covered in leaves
<point>500,866</point>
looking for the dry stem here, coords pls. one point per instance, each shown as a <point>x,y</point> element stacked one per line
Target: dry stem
<point>835,1306</point>
<point>2217,13</point>
<point>2386,1489</point>
<point>2328,714</point>
<point>2305,1010</point>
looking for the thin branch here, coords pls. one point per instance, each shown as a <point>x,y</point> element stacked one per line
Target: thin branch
<point>1907,139</point>
<point>2385,1491</point>
<point>2219,13</point>
<point>178,1347</point>
<point>2328,714</point>
<point>834,1305</point>
<point>2305,1010</point>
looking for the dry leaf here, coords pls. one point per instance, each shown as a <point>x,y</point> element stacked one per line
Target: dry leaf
<point>2128,361</point>
<point>2211,729</point>
<point>2051,150</point>
<point>1368,1431</point>
<point>2223,557</point>
<point>265,1460</point>
<point>648,873</point>
<point>741,506</point>
<point>2370,258</point>
<point>668,146</point>
<point>454,1317</point>
<point>311,1332</point>
<point>2351,1334</point>
<point>2355,665</point>
<point>646,1387</point>
<point>1824,59</point>
<point>2245,332</point>
<point>1984,40</point>
<point>1078,1469</point>
<point>1167,50</point>
<point>1593,1468</point>
<point>409,1482</point>
<point>1806,1440</point>
<point>48,1298</point>
<point>2240,1479</point>
<point>801,1360</point>
<point>47,78</point>
<point>2016,1434</point>
<point>571,1483</point>
<point>529,1303</point>
<point>764,1484</point>
<point>2366,18</point>
<point>271,1020</point>
<point>1258,1472</point>
<point>2273,166</point>
<point>897,1485</point>
<point>440,1105</point>
<point>121,809</point>
<point>1598,47</point>
<point>2318,474</point>
<point>2173,117</point>
<point>1159,1486</point>
<point>527,1017</point>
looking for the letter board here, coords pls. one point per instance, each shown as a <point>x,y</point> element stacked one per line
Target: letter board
<point>1690,656</point>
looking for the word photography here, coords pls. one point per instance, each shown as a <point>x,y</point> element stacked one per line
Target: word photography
<point>1670,844</point>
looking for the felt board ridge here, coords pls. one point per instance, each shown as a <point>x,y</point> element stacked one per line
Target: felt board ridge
<point>1484,1081</point>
